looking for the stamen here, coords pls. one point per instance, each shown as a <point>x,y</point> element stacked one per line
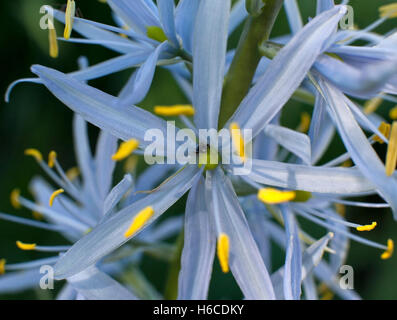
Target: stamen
<point>340,209</point>
<point>139,221</point>
<point>372,105</point>
<point>52,38</point>
<point>69,15</point>
<point>125,149</point>
<point>274,196</point>
<point>384,129</point>
<point>37,215</point>
<point>176,110</point>
<point>223,252</point>
<point>304,125</point>
<point>367,227</point>
<point>34,153</point>
<point>391,157</point>
<point>2,266</point>
<point>54,195</point>
<point>26,246</point>
<point>14,198</point>
<point>237,139</point>
<point>388,11</point>
<point>72,173</point>
<point>389,252</point>
<point>393,113</point>
<point>131,164</point>
<point>52,156</point>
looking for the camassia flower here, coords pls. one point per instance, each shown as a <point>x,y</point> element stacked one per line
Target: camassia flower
<point>148,34</point>
<point>361,72</point>
<point>214,220</point>
<point>73,211</point>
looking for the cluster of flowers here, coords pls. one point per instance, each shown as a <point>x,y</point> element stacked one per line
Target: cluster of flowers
<point>233,217</point>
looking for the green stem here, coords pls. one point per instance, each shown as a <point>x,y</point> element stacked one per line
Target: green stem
<point>171,289</point>
<point>242,70</point>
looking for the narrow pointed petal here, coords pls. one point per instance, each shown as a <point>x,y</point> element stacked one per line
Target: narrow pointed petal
<point>245,261</point>
<point>19,281</point>
<point>285,72</point>
<point>293,15</point>
<point>185,18</point>
<point>109,235</point>
<point>293,258</point>
<point>311,179</point>
<point>358,146</point>
<point>209,56</point>
<point>97,285</point>
<point>167,17</point>
<point>117,193</point>
<point>98,107</point>
<point>295,142</point>
<point>237,15</point>
<point>324,5</point>
<point>137,14</point>
<point>199,247</point>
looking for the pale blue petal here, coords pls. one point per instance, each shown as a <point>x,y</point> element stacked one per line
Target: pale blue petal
<point>295,142</point>
<point>142,79</point>
<point>286,71</point>
<point>104,164</point>
<point>166,10</point>
<point>117,193</point>
<point>312,179</point>
<point>199,247</point>
<point>15,282</point>
<point>237,15</point>
<point>109,235</point>
<point>97,285</point>
<point>137,14</point>
<point>324,5</point>
<point>209,55</point>
<point>185,18</point>
<point>245,260</point>
<point>100,108</point>
<point>358,146</point>
<point>321,130</point>
<point>67,293</point>
<point>293,257</point>
<point>293,15</point>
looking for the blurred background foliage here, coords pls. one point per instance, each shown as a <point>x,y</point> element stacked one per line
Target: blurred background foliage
<point>34,118</point>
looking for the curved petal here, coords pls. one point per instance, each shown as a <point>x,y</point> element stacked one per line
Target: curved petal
<point>246,262</point>
<point>285,72</point>
<point>109,235</point>
<point>199,247</point>
<point>209,56</point>
<point>311,179</point>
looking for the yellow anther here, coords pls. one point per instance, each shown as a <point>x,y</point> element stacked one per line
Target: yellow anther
<point>125,149</point>
<point>139,221</point>
<point>238,140</point>
<point>388,11</point>
<point>274,196</point>
<point>37,215</point>
<point>72,173</point>
<point>389,251</point>
<point>34,153</point>
<point>304,125</point>
<point>52,39</point>
<point>176,110</point>
<point>391,157</point>
<point>372,105</point>
<point>54,195</point>
<point>384,129</point>
<point>367,227</point>
<point>52,156</point>
<point>69,15</point>
<point>26,246</point>
<point>14,198</point>
<point>223,252</point>
<point>393,113</point>
<point>347,164</point>
<point>2,266</point>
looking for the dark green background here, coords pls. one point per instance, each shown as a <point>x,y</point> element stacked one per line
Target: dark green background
<point>34,118</point>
